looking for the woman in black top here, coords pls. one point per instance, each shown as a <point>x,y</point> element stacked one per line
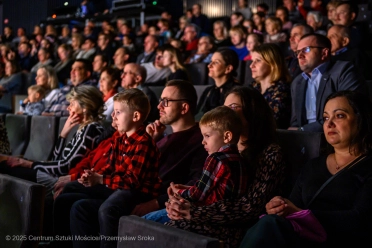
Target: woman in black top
<point>222,70</point>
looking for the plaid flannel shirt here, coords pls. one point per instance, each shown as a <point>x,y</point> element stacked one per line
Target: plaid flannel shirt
<point>133,163</point>
<point>224,176</point>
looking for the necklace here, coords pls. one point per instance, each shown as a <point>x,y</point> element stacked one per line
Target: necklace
<point>340,166</point>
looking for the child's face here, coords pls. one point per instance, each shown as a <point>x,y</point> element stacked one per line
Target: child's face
<point>127,41</point>
<point>123,117</point>
<point>251,43</point>
<point>33,96</point>
<point>269,26</point>
<point>236,38</point>
<point>212,139</point>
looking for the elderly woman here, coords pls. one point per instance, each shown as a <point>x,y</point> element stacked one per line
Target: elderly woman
<point>86,111</point>
<point>334,190</point>
<point>227,219</point>
<point>108,85</point>
<point>222,69</point>
<point>272,80</point>
<point>47,78</point>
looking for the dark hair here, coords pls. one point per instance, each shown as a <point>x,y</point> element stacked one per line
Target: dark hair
<point>353,7</point>
<point>260,118</point>
<point>114,73</point>
<point>285,11</point>
<point>321,40</point>
<point>103,57</point>
<point>361,105</point>
<point>230,57</point>
<point>260,14</point>
<point>185,91</point>
<point>86,64</point>
<point>264,6</point>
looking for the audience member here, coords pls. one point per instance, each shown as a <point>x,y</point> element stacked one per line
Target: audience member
<point>238,37</point>
<point>156,72</point>
<point>283,14</point>
<point>227,220</point>
<point>108,85</point>
<point>63,67</point>
<point>199,19</point>
<point>44,58</point>
<point>76,42</point>
<point>264,8</point>
<point>150,45</point>
<point>88,49</point>
<point>298,30</point>
<point>100,62</point>
<point>236,19</point>
<point>222,70</point>
<point>339,219</point>
<point>294,13</point>
<point>190,37</point>
<point>182,23</point>
<point>206,48</point>
<point>274,31</point>
<point>259,21</point>
<point>272,79</point>
<point>320,78</point>
<point>26,61</point>
<point>121,58</point>
<point>46,77</point>
<point>221,35</point>
<point>315,20</point>
<point>249,25</point>
<point>134,76</point>
<point>105,47</point>
<point>7,36</point>
<point>172,59</point>
<point>33,104</point>
<point>253,40</point>
<point>164,31</point>
<point>331,12</point>
<point>11,83</point>
<point>244,9</point>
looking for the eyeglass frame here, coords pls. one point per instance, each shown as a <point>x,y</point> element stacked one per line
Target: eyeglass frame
<point>234,106</point>
<point>165,101</point>
<point>307,47</point>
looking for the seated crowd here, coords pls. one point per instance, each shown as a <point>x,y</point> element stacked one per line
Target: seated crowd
<point>221,167</point>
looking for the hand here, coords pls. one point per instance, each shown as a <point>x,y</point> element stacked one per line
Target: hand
<point>15,162</point>
<point>90,178</point>
<point>57,193</point>
<point>26,100</point>
<point>178,208</point>
<point>62,181</point>
<point>71,121</point>
<point>145,208</point>
<point>19,113</point>
<point>293,128</point>
<point>155,130</point>
<point>281,206</point>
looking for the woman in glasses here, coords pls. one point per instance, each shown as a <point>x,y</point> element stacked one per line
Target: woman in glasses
<point>272,80</point>
<point>222,69</point>
<point>226,219</point>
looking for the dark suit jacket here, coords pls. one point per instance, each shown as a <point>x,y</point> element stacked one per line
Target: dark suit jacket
<point>339,75</point>
<point>148,58</point>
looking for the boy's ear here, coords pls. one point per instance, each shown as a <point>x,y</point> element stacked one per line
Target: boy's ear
<point>227,137</point>
<point>37,94</point>
<point>136,116</point>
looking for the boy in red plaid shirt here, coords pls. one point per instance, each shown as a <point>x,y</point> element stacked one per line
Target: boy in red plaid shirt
<point>129,178</point>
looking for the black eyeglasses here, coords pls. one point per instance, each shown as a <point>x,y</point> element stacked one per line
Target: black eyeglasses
<point>164,101</point>
<point>306,50</point>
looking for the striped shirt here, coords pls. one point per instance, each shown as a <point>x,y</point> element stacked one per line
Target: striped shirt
<point>67,157</point>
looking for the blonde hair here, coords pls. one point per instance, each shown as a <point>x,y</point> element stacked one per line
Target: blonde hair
<point>277,23</point>
<point>90,99</point>
<point>38,89</point>
<point>223,119</point>
<point>239,30</point>
<point>176,55</point>
<point>52,76</point>
<point>136,100</point>
<point>273,56</point>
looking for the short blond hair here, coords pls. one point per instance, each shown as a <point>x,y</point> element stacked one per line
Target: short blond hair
<point>38,89</point>
<point>136,100</point>
<point>223,119</point>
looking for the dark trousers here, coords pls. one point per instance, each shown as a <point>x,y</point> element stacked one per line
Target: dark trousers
<point>73,192</point>
<point>98,219</point>
<point>19,172</point>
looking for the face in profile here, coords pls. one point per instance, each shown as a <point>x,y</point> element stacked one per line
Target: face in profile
<point>212,139</point>
<point>340,122</point>
<point>123,117</point>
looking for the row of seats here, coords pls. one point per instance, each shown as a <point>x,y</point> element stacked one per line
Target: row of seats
<point>26,197</point>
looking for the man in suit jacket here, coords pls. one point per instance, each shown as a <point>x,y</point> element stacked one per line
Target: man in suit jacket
<point>150,45</point>
<point>319,79</point>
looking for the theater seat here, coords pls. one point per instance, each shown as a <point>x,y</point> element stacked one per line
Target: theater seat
<point>18,127</point>
<point>298,148</point>
<point>200,89</point>
<point>151,234</point>
<point>198,73</point>
<point>157,90</point>
<point>43,135</point>
<point>21,212</point>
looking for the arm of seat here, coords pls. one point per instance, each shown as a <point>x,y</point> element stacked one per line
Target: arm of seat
<point>138,232</point>
<point>21,210</point>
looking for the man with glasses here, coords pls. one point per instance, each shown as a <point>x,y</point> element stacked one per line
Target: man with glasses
<point>182,154</point>
<point>133,76</point>
<point>156,72</point>
<point>320,77</point>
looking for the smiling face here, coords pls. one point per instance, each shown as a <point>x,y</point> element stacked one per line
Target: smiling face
<point>213,140</point>
<point>260,69</point>
<point>217,66</point>
<point>340,122</point>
